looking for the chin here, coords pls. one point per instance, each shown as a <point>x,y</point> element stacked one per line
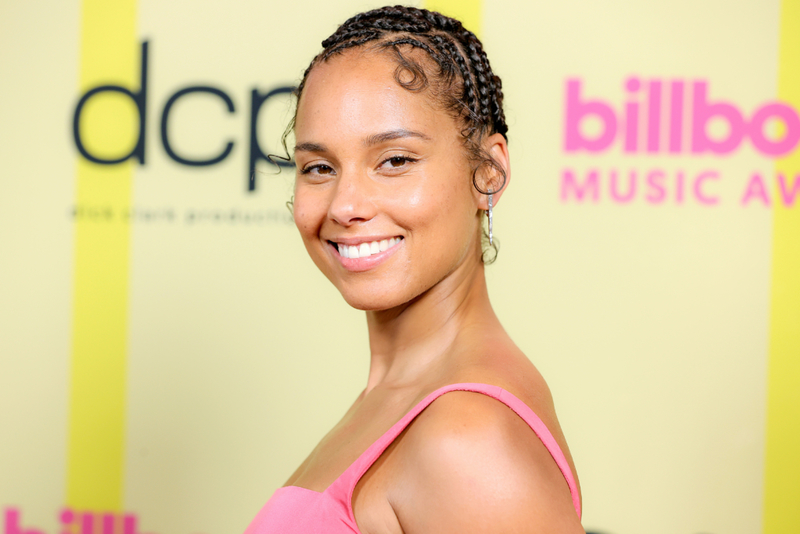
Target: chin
<point>368,299</point>
<point>369,302</point>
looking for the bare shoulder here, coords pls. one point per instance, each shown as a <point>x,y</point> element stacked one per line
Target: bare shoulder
<point>469,463</point>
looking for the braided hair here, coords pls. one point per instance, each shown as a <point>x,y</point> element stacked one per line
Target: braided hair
<point>457,74</point>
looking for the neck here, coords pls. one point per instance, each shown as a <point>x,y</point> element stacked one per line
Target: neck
<point>410,343</point>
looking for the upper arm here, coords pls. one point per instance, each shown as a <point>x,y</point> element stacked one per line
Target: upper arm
<point>468,463</point>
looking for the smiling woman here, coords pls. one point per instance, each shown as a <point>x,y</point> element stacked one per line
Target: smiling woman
<point>401,153</point>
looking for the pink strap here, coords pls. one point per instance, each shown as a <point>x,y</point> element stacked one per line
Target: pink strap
<point>354,473</point>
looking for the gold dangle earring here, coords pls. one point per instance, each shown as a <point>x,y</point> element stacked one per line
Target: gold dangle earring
<point>490,193</point>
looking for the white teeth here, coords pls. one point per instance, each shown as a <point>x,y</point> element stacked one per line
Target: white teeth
<point>366,249</point>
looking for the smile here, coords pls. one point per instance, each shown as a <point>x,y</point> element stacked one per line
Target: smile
<point>364,250</point>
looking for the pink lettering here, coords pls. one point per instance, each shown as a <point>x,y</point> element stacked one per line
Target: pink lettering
<point>698,188</point>
<point>639,122</point>
<point>788,196</point>
<point>703,111</point>
<point>654,186</point>
<point>755,190</point>
<point>569,184</point>
<point>108,524</point>
<point>656,192</point>
<point>576,111</point>
<point>791,123</point>
<point>67,516</point>
<point>12,523</point>
<point>87,522</point>
<point>654,117</point>
<point>632,118</point>
<point>129,524</point>
<point>676,117</point>
<point>626,197</point>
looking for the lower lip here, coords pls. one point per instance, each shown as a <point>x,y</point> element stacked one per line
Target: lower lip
<point>357,265</point>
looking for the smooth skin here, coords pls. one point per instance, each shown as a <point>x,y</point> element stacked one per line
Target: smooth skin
<point>376,161</point>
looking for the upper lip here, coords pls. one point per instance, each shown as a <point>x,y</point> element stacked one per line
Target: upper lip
<point>356,241</point>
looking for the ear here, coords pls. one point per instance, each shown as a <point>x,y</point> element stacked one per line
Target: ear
<point>493,177</point>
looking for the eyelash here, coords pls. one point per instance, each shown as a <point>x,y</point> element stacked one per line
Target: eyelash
<point>307,170</point>
<point>403,159</point>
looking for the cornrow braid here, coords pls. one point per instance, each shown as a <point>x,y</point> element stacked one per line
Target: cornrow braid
<point>463,79</point>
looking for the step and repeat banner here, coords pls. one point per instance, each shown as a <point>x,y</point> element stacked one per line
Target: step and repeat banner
<point>169,354</point>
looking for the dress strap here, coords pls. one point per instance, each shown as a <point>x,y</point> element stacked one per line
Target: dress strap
<point>354,473</point>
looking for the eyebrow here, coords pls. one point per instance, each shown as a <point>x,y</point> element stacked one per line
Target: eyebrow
<point>374,139</point>
<point>310,147</point>
<point>392,135</point>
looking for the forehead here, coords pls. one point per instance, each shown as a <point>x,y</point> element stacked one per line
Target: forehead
<point>356,91</point>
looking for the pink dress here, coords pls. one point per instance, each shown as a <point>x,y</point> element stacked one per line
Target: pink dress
<point>295,510</point>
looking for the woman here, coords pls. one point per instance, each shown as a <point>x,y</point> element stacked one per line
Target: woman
<point>401,151</point>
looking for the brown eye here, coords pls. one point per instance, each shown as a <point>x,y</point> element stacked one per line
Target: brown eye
<point>318,169</point>
<point>398,162</point>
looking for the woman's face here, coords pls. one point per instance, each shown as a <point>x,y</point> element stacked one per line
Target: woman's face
<point>383,198</point>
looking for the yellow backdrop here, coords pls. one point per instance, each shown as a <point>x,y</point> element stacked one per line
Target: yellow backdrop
<point>169,355</point>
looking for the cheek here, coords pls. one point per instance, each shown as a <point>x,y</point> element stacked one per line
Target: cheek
<point>438,209</point>
<point>300,219</point>
<point>307,213</point>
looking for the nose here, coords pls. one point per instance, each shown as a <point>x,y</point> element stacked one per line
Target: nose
<point>353,199</point>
